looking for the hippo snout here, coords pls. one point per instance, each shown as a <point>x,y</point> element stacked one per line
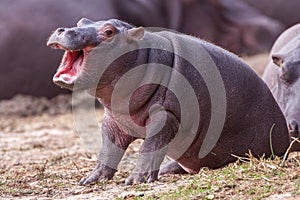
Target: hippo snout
<point>74,39</point>
<point>293,128</point>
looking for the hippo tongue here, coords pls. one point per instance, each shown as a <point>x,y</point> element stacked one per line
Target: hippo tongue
<point>76,65</point>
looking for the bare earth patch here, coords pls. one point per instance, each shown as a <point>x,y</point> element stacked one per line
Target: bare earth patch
<point>258,62</point>
<point>42,157</point>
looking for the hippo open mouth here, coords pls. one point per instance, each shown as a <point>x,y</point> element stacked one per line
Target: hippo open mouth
<point>72,63</point>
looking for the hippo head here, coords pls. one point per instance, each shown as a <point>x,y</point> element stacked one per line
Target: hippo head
<point>288,87</point>
<point>79,42</point>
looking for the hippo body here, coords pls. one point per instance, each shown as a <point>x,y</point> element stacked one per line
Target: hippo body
<point>282,76</point>
<point>160,110</point>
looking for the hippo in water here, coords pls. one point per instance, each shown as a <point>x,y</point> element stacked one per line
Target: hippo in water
<point>282,75</point>
<point>188,99</point>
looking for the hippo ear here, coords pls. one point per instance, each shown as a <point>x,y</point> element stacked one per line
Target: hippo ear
<point>278,59</point>
<point>84,21</point>
<point>136,33</point>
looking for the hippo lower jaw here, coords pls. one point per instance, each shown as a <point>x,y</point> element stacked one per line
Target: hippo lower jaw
<point>71,65</point>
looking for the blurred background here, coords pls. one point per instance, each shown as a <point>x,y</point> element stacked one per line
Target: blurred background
<point>245,27</point>
<point>41,153</point>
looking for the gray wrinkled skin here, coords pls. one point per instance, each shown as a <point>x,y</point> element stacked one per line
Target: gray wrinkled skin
<point>251,110</point>
<point>282,76</point>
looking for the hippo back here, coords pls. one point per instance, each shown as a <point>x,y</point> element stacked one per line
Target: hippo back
<point>246,87</point>
<point>252,114</point>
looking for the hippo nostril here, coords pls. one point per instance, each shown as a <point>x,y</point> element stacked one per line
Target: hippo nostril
<point>60,30</point>
<point>293,128</point>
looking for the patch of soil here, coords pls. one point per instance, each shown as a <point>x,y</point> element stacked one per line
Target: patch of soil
<point>258,62</point>
<point>44,157</point>
<point>23,105</point>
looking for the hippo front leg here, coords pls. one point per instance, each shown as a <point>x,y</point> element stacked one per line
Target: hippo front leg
<point>114,144</point>
<point>162,128</point>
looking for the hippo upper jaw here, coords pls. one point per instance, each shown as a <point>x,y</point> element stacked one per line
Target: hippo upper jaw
<point>75,38</point>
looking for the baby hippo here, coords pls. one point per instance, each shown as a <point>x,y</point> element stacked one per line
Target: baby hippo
<point>186,98</point>
<point>282,75</point>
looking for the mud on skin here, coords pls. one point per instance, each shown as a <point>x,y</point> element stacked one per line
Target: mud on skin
<point>155,111</point>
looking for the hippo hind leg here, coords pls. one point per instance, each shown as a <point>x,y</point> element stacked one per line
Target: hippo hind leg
<point>172,168</point>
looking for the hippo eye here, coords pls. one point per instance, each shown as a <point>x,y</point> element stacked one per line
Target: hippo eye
<point>109,32</point>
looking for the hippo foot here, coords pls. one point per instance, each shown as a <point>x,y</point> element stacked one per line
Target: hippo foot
<point>294,135</point>
<point>172,168</point>
<point>296,143</point>
<point>142,177</point>
<point>99,174</point>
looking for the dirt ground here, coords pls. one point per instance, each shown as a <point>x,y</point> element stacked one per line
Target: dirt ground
<point>43,157</point>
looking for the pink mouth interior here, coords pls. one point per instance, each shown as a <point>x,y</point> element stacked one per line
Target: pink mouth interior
<point>71,65</point>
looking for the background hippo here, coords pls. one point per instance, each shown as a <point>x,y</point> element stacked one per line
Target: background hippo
<point>282,76</point>
<point>231,24</point>
<point>25,64</point>
<point>139,76</point>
